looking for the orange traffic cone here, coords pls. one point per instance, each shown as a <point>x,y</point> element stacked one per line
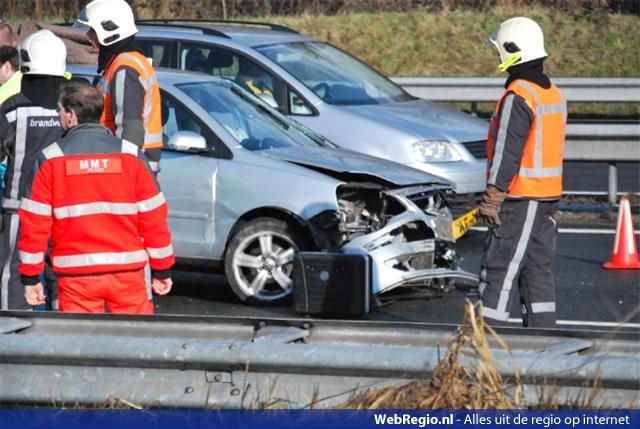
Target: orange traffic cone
<point>625,250</point>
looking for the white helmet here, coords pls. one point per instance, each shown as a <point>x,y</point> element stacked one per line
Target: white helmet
<point>112,20</point>
<point>43,53</point>
<point>518,40</point>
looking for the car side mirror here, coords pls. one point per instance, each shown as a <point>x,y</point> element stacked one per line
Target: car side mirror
<point>187,141</point>
<point>268,98</point>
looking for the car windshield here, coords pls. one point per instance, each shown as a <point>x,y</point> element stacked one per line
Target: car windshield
<point>335,76</point>
<point>254,124</point>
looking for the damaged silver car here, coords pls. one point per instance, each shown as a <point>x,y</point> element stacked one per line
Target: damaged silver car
<point>248,188</point>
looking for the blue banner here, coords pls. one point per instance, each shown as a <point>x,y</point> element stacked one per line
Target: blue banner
<point>23,418</point>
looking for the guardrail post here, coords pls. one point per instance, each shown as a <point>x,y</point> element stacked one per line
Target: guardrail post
<point>613,183</point>
<point>474,108</point>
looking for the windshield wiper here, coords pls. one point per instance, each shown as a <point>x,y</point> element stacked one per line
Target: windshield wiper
<point>319,139</point>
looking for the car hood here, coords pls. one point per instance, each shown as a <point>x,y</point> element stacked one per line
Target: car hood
<point>424,119</point>
<point>347,165</point>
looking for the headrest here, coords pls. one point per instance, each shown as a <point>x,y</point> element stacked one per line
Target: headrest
<point>220,59</point>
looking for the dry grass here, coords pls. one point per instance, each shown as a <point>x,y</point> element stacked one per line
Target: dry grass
<point>455,385</point>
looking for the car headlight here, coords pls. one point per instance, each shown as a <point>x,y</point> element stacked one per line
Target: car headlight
<point>434,151</point>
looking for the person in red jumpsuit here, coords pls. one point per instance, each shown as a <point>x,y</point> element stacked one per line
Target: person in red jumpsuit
<point>97,199</point>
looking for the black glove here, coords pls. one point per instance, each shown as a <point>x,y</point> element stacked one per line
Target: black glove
<point>490,205</point>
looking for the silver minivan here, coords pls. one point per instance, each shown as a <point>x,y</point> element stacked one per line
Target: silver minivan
<point>330,91</point>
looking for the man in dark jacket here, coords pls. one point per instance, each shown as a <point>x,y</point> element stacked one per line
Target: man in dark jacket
<point>28,123</point>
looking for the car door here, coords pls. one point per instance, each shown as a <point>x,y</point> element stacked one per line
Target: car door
<point>188,181</point>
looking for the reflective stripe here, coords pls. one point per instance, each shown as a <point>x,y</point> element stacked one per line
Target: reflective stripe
<point>11,116</point>
<point>514,264</point>
<point>119,101</point>
<point>541,172</point>
<point>494,314</point>
<point>31,258</point>
<point>52,151</point>
<point>537,157</point>
<point>550,109</point>
<point>160,252</point>
<point>6,269</point>
<point>502,137</point>
<point>89,259</point>
<point>130,148</point>
<point>127,56</point>
<point>154,166</point>
<point>104,85</point>
<point>151,203</point>
<point>10,203</point>
<point>99,207</point>
<point>152,80</point>
<point>152,138</point>
<point>35,207</point>
<point>543,307</point>
<point>22,114</point>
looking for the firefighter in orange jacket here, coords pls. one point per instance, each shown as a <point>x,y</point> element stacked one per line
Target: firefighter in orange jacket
<point>524,155</point>
<point>96,198</point>
<point>132,108</point>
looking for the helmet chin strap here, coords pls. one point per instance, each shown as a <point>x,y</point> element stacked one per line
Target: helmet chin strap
<point>513,58</point>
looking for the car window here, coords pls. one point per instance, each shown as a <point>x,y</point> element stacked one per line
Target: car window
<point>157,50</point>
<point>226,64</point>
<point>253,124</point>
<point>176,117</point>
<point>297,105</point>
<point>333,75</point>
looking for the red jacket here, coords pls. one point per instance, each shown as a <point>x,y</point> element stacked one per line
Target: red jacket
<point>96,197</point>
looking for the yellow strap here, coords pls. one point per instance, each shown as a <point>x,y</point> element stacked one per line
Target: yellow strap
<point>256,90</point>
<point>462,224</point>
<point>513,58</point>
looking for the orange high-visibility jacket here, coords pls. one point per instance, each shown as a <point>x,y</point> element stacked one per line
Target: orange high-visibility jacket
<point>151,114</point>
<point>540,171</point>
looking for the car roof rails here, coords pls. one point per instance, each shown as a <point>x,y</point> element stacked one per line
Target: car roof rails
<point>182,22</point>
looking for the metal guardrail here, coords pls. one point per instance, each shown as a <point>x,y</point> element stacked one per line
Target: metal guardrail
<point>170,361</point>
<point>488,89</point>
<point>599,141</point>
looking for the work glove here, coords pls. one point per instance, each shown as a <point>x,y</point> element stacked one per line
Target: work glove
<point>490,205</point>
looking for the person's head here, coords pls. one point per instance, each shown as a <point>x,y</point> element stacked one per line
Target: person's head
<point>110,21</point>
<point>8,62</point>
<point>79,103</point>
<point>43,53</point>
<point>518,40</point>
<point>6,35</point>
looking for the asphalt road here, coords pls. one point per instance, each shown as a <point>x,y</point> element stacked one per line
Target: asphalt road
<point>587,294</point>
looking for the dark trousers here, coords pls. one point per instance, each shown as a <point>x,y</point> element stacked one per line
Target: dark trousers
<point>11,287</point>
<point>520,252</point>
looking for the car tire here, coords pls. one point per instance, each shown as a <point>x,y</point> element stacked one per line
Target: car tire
<point>258,261</point>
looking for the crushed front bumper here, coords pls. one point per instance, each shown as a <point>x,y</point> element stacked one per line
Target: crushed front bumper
<point>421,258</point>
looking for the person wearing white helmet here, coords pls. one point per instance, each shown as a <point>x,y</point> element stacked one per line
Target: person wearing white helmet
<point>28,123</point>
<point>129,85</point>
<point>524,180</point>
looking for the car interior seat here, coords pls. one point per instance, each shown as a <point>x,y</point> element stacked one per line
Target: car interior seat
<point>220,60</point>
<point>197,61</point>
